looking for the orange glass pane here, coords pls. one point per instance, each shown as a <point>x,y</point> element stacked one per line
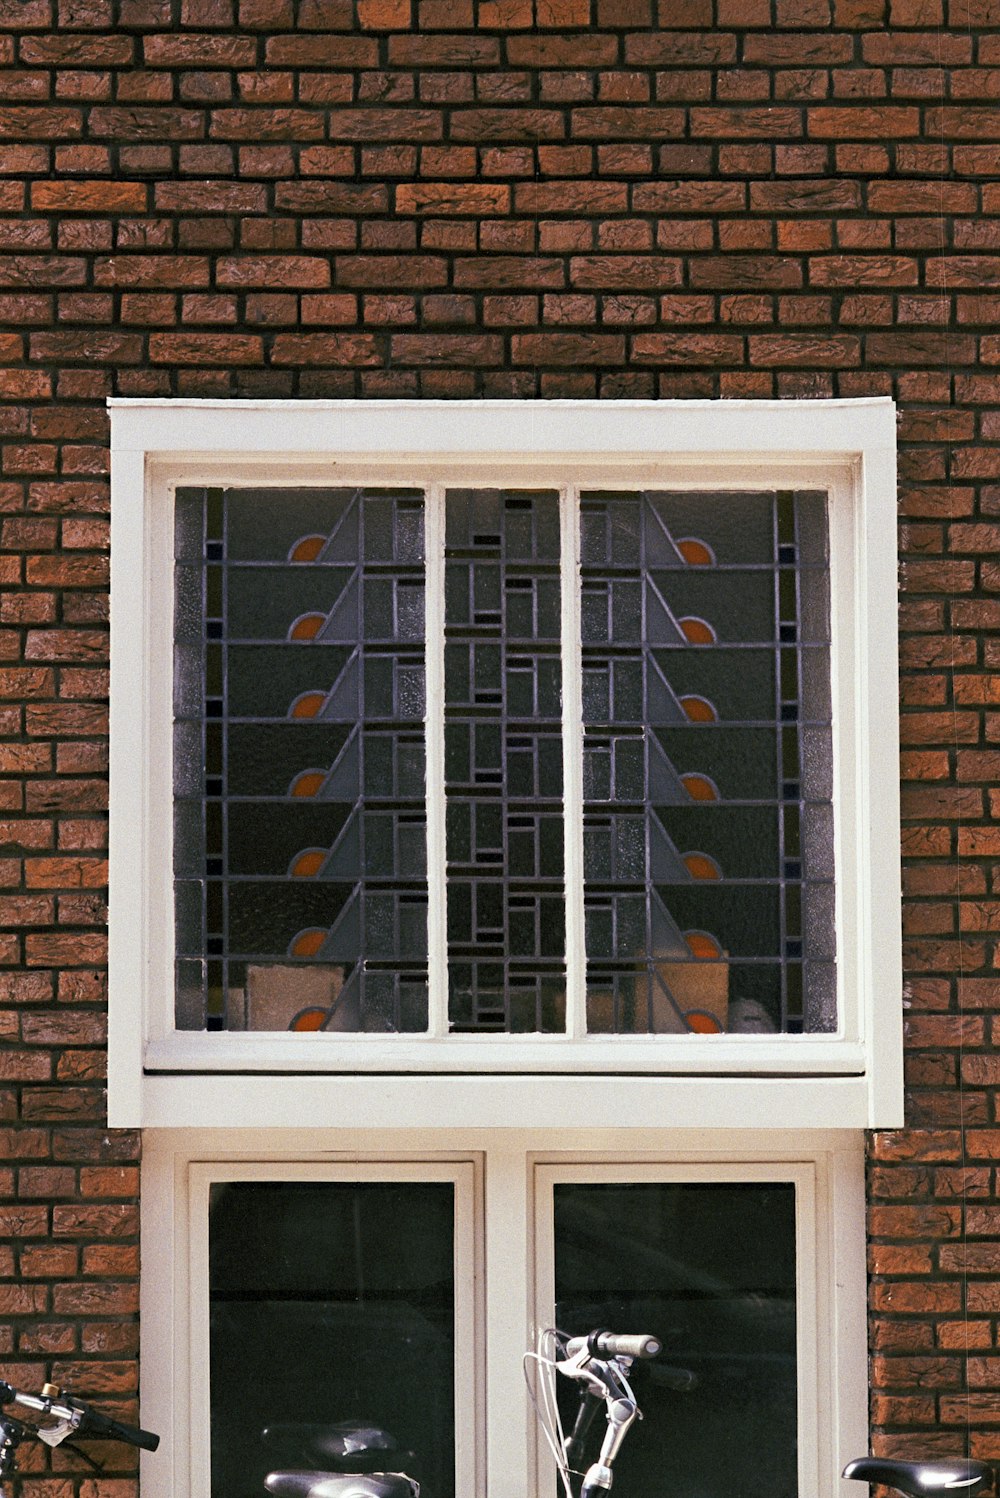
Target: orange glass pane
<point>308,705</point>
<point>307,784</point>
<point>700,866</point>
<point>702,945</point>
<point>306,627</point>
<point>308,549</point>
<point>699,709</point>
<point>698,631</point>
<point>696,553</point>
<point>701,1023</point>
<point>309,1019</point>
<point>308,864</point>
<point>308,942</point>
<point>700,788</point>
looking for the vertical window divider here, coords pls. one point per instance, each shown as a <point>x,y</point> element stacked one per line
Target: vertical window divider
<point>437,914</point>
<point>572,738</point>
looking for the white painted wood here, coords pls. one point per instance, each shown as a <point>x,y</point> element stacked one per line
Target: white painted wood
<point>572,746</point>
<point>782,1104</point>
<point>877,807</point>
<point>478,428</point>
<point>437,915</point>
<point>508,1176</point>
<point>509,1266</point>
<point>845,446</point>
<point>682,1054</point>
<point>129,752</point>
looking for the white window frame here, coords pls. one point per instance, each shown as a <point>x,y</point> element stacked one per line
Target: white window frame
<point>503,1230</point>
<point>159,1076</point>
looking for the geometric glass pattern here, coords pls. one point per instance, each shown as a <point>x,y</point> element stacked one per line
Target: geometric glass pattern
<point>503,762</point>
<point>704,754</point>
<point>708,837</point>
<point>299,763</point>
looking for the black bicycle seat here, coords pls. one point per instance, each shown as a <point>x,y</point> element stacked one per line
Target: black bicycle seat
<point>341,1485</point>
<point>923,1479</point>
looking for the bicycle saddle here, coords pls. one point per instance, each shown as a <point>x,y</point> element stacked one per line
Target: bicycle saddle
<point>343,1446</point>
<point>341,1485</point>
<point>923,1479</point>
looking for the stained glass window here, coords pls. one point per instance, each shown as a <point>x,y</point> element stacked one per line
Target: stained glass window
<point>707,763</point>
<point>682,671</point>
<point>503,762</point>
<point>300,838</point>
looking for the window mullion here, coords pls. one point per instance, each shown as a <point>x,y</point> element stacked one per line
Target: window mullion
<point>572,737</point>
<point>437,928</point>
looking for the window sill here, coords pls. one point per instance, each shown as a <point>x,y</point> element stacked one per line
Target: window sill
<point>275,1051</point>
<point>382,1101</point>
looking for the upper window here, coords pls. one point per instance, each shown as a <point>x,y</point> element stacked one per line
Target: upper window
<point>697,661</point>
<point>506,738</point>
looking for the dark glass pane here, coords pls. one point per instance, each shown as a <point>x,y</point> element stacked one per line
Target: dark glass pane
<point>331,1302</point>
<point>503,761</point>
<point>710,1270</point>
<point>707,761</point>
<point>300,843</point>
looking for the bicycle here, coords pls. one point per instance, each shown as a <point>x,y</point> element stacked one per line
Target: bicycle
<point>600,1364</point>
<point>54,1417</point>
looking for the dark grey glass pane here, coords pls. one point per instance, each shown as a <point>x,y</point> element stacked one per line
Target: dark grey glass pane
<point>300,614</point>
<point>503,761</point>
<point>707,761</point>
<point>331,1302</point>
<point>189,525</point>
<point>709,1269</point>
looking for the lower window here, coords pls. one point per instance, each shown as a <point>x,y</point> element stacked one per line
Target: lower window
<point>332,1304</point>
<point>386,1303</point>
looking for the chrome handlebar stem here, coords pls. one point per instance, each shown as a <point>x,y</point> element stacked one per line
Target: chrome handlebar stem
<point>604,1379</point>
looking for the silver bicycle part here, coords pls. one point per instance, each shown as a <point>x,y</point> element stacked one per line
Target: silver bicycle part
<point>605,1379</point>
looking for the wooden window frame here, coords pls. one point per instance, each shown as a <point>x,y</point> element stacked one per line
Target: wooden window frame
<point>504,1287</point>
<point>159,1076</point>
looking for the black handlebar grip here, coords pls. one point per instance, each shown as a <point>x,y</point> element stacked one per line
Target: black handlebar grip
<point>96,1424</point>
<point>615,1345</point>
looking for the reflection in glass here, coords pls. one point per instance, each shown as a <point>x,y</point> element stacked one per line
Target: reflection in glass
<point>330,1302</point>
<point>709,1269</point>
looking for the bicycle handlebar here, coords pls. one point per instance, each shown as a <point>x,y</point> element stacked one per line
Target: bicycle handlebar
<point>80,1418</point>
<point>616,1345</point>
<point>93,1423</point>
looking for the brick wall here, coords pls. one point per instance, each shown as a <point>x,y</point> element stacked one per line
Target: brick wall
<point>319,198</point>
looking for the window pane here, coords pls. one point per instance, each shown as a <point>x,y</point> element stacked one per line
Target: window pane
<point>503,762</point>
<point>708,833</point>
<point>300,839</point>
<point>331,1302</point>
<point>710,1270</point>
